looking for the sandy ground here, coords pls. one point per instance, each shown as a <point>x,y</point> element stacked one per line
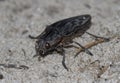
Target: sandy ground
<point>19,18</point>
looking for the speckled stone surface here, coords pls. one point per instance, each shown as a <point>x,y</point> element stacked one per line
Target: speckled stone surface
<point>19,18</point>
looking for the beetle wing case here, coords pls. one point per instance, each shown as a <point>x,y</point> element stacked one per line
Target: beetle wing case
<point>71,25</point>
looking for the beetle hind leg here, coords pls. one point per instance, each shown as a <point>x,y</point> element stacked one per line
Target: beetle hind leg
<point>97,37</point>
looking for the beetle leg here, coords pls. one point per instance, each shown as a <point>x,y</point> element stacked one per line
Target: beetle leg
<point>61,51</point>
<point>39,57</point>
<point>89,45</point>
<point>97,37</point>
<point>63,62</point>
<point>84,49</point>
<point>32,37</point>
<point>70,46</point>
<point>37,37</point>
<point>77,54</point>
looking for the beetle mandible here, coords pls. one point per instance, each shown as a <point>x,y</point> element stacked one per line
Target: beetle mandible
<point>60,35</point>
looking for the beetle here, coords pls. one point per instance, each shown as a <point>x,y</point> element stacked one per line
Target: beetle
<point>60,35</point>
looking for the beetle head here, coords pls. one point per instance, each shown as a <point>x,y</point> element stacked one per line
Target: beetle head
<point>42,48</point>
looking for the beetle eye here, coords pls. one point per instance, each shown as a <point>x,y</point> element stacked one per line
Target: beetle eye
<point>47,45</point>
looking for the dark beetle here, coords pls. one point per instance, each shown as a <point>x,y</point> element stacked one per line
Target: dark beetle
<point>59,35</point>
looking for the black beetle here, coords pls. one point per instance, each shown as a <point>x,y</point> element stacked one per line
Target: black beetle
<point>59,35</point>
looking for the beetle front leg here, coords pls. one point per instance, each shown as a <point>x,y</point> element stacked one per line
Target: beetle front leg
<point>61,51</point>
<point>37,37</point>
<point>32,37</point>
<point>63,62</point>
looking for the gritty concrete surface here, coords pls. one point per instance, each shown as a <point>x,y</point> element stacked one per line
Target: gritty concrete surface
<point>19,18</point>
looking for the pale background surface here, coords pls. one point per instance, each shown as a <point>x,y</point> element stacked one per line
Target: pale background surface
<point>19,18</point>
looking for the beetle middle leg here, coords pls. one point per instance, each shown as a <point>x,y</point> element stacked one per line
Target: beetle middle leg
<point>70,46</point>
<point>84,49</point>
